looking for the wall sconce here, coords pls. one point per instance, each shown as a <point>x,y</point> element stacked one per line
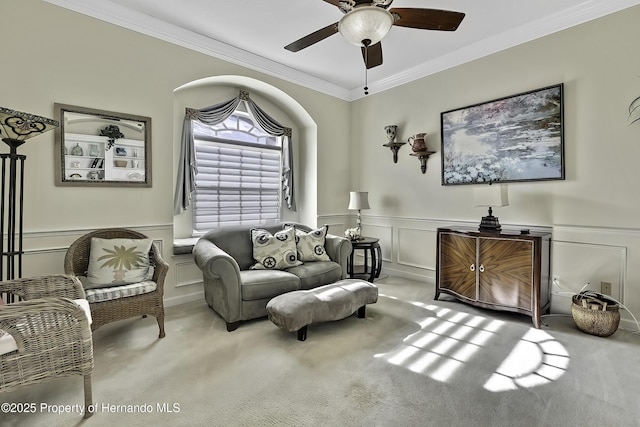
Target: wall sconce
<point>392,131</point>
<point>491,195</point>
<point>419,147</point>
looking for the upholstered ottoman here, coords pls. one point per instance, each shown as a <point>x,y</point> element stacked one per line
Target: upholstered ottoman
<point>294,311</point>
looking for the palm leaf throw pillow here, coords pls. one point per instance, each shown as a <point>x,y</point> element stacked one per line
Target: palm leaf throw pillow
<point>114,262</point>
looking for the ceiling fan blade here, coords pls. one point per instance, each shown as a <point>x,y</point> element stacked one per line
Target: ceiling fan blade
<point>313,38</point>
<point>427,19</point>
<point>336,3</point>
<point>373,55</point>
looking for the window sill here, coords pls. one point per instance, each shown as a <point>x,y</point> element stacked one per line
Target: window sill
<point>184,246</point>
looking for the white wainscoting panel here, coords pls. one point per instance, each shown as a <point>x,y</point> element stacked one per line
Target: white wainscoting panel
<point>417,248</point>
<point>577,264</point>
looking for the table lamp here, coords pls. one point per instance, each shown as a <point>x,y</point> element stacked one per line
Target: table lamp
<point>491,196</point>
<point>358,200</point>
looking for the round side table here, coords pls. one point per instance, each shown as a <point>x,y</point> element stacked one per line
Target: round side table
<point>370,245</point>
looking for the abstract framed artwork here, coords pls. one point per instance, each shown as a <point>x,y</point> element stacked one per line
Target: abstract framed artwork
<point>510,139</point>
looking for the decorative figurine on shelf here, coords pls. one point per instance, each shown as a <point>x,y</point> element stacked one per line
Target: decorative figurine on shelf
<point>392,131</point>
<point>417,142</point>
<point>112,132</point>
<point>77,150</point>
<point>93,150</point>
<point>121,151</point>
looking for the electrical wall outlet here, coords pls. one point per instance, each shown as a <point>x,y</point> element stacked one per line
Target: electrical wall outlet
<point>605,288</point>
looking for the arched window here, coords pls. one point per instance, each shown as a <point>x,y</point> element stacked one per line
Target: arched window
<point>239,174</point>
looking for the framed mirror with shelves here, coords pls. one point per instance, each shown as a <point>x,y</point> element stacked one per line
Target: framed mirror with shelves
<point>98,147</point>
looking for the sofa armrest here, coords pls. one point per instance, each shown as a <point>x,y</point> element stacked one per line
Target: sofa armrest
<point>222,280</point>
<point>339,249</point>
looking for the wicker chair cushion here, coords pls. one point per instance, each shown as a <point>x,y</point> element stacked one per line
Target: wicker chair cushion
<point>116,292</point>
<point>8,344</point>
<point>117,262</point>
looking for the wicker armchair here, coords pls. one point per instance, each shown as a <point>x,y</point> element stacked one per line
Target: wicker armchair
<point>76,262</point>
<point>50,330</point>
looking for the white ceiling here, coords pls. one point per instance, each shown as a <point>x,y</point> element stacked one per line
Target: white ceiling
<point>253,33</point>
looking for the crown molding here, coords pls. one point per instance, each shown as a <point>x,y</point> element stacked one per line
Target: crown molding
<point>118,15</point>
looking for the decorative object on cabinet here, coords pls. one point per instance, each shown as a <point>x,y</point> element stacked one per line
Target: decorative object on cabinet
<point>491,196</point>
<point>392,131</point>
<point>358,200</point>
<point>504,270</point>
<point>15,128</point>
<point>89,134</point>
<point>595,314</point>
<point>515,138</point>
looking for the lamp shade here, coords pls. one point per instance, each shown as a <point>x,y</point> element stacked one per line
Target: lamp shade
<point>370,23</point>
<point>491,195</point>
<point>358,200</point>
<point>16,126</point>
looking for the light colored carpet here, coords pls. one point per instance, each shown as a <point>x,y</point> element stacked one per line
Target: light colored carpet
<point>411,362</point>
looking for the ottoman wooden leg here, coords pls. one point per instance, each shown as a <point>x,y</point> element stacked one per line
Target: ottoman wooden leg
<point>361,312</point>
<point>302,333</point>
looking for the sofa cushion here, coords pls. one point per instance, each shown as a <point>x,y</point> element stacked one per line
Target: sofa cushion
<point>274,251</point>
<point>310,245</point>
<point>314,274</point>
<point>117,262</point>
<point>259,284</point>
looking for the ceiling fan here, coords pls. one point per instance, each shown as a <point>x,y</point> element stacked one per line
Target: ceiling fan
<point>366,22</point>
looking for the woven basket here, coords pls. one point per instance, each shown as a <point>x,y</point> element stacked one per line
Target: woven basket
<point>595,315</point>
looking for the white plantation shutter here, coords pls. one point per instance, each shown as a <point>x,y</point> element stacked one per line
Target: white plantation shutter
<point>236,184</point>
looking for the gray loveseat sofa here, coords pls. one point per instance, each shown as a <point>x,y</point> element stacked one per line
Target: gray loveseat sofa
<point>236,292</point>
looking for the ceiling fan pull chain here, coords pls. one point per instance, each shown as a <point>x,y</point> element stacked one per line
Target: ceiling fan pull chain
<point>366,68</point>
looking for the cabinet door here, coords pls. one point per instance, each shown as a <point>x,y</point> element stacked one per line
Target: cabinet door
<point>458,264</point>
<point>505,271</point>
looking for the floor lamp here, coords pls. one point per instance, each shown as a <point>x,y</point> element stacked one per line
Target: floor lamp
<point>15,128</point>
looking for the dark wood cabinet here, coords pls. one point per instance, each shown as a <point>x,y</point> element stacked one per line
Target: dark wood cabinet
<point>506,270</point>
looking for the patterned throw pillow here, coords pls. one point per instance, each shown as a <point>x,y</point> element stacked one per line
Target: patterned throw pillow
<point>115,262</point>
<point>310,246</point>
<point>274,252</point>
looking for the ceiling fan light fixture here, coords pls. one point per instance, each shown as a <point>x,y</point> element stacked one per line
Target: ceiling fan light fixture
<point>362,23</point>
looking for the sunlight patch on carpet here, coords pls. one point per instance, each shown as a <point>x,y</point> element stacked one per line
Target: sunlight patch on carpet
<point>537,359</point>
<point>444,343</point>
<point>448,340</point>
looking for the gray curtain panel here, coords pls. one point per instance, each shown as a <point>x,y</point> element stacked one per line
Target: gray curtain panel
<point>187,169</point>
